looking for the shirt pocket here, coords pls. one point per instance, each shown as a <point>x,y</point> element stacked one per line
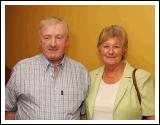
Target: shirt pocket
<point>73,97</point>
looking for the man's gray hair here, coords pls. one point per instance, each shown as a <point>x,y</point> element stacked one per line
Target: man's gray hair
<point>53,20</point>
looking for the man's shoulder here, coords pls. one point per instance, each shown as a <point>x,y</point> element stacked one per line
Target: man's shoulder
<point>28,61</point>
<point>75,63</point>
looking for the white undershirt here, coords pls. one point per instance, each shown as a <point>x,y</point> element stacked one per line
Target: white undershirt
<point>104,103</point>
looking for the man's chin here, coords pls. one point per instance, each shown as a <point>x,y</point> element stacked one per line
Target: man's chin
<point>54,59</point>
<point>51,56</point>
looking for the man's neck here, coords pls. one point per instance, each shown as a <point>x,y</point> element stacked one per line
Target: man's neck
<point>57,62</point>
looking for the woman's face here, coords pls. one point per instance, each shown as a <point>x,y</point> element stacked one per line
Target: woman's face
<point>111,51</point>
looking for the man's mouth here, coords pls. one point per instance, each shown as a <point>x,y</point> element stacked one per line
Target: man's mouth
<point>55,49</point>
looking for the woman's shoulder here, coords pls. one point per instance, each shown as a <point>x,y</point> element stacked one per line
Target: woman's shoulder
<point>141,73</point>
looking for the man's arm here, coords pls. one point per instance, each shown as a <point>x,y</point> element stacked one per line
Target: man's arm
<point>10,115</point>
<point>83,117</point>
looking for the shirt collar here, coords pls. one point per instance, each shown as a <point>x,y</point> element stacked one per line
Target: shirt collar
<point>47,63</point>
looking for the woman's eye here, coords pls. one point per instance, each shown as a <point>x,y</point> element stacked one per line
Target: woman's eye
<point>105,46</point>
<point>116,46</point>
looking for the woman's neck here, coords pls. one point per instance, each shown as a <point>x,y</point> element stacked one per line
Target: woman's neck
<point>113,73</point>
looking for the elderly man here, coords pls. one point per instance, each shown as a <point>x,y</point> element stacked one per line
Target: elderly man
<point>48,86</point>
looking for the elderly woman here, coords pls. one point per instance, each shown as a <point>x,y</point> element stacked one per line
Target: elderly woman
<point>112,95</point>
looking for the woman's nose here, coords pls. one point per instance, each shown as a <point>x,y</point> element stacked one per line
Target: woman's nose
<point>110,50</point>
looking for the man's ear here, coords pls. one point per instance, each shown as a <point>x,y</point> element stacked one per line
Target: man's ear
<point>40,42</point>
<point>67,41</point>
<point>40,37</point>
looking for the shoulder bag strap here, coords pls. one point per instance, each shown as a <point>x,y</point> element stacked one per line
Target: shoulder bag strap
<point>135,85</point>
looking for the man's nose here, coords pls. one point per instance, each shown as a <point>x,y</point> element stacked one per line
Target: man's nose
<point>53,42</point>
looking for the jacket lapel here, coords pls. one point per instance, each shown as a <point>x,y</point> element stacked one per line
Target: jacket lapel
<point>96,79</point>
<point>125,81</point>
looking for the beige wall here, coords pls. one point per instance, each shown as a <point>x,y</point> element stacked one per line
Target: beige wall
<point>85,23</point>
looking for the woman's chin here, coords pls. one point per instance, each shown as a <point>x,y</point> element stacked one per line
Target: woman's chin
<point>110,62</point>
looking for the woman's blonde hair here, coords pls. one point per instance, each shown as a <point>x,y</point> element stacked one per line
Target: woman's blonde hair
<point>114,31</point>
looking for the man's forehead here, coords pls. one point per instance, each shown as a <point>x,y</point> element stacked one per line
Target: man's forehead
<point>55,28</point>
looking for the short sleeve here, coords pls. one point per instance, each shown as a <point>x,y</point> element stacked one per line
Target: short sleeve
<point>147,95</point>
<point>83,109</point>
<point>10,94</point>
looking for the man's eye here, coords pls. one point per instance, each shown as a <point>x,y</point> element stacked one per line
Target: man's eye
<point>59,37</point>
<point>46,38</point>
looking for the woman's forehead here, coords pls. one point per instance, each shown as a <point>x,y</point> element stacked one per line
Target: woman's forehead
<point>112,40</point>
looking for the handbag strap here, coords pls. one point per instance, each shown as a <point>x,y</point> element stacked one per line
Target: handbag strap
<point>135,85</point>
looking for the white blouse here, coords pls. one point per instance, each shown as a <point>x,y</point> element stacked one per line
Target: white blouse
<point>104,103</point>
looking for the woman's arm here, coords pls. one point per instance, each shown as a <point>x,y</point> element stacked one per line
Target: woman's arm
<point>150,117</point>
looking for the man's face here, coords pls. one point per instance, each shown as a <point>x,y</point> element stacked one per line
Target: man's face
<point>54,40</point>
